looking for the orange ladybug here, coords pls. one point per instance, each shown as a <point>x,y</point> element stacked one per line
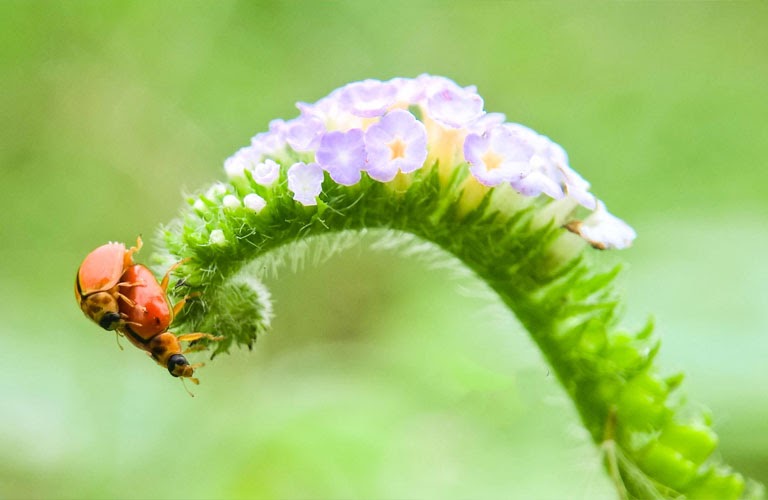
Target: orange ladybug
<point>99,280</point>
<point>147,315</point>
<point>121,295</point>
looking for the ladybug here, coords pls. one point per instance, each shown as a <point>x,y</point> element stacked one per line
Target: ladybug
<point>147,315</point>
<point>99,280</point>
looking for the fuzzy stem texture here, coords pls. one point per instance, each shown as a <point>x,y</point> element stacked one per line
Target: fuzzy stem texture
<point>653,445</point>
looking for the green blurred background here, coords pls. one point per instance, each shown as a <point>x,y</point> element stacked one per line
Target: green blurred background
<point>383,378</point>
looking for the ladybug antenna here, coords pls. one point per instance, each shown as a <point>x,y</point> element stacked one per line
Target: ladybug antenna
<point>184,383</point>
<point>117,339</point>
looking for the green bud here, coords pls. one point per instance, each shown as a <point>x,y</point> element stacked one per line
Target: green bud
<point>592,340</point>
<point>667,465</point>
<point>717,485</point>
<point>624,355</point>
<point>240,310</point>
<point>641,402</point>
<point>695,441</point>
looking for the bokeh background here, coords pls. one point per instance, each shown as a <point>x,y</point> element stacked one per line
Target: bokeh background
<point>383,377</point>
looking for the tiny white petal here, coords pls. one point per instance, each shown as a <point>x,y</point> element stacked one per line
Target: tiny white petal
<point>266,172</point>
<point>254,202</point>
<point>306,182</point>
<point>231,201</point>
<point>217,189</point>
<point>199,205</point>
<point>217,237</point>
<point>603,230</point>
<point>236,165</point>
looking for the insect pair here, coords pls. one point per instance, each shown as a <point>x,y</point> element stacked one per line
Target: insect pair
<point>122,296</point>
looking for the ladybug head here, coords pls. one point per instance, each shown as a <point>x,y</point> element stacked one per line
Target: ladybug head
<point>178,366</point>
<point>110,320</point>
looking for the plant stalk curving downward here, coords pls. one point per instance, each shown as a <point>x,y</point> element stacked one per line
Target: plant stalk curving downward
<point>531,250</point>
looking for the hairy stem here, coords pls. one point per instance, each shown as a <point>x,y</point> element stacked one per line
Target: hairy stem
<point>653,447</point>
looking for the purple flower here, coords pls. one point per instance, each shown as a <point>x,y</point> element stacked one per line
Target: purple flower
<point>453,106</point>
<point>304,133</point>
<point>367,126</point>
<point>486,123</point>
<point>342,154</point>
<point>551,174</point>
<point>396,142</point>
<point>242,160</point>
<point>545,175</point>
<point>499,155</point>
<point>538,182</point>
<point>408,90</point>
<point>267,143</point>
<point>324,109</point>
<point>306,182</point>
<point>367,99</point>
<point>435,83</point>
<point>603,230</point>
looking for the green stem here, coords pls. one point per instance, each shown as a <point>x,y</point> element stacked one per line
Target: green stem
<point>653,449</point>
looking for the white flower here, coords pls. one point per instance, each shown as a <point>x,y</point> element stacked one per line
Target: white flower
<point>254,202</point>
<point>603,230</point>
<point>239,162</point>
<point>231,201</point>
<point>216,190</point>
<point>266,172</point>
<point>451,105</point>
<point>304,133</point>
<point>306,182</point>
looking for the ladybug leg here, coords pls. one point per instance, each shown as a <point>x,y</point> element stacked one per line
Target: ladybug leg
<point>180,304</point>
<point>130,302</point>
<point>167,277</point>
<point>128,259</point>
<point>194,348</point>
<point>191,337</point>
<point>131,323</point>
<point>126,284</point>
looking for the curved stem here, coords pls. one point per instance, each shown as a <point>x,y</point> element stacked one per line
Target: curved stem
<point>518,247</point>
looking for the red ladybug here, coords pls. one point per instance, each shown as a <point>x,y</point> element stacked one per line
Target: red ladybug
<point>146,322</point>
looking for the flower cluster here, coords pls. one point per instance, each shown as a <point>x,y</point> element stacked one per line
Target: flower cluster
<point>385,128</point>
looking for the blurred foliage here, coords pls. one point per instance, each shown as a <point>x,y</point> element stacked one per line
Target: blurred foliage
<point>388,381</point>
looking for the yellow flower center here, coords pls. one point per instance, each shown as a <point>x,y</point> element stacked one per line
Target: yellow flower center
<point>397,149</point>
<point>492,160</point>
